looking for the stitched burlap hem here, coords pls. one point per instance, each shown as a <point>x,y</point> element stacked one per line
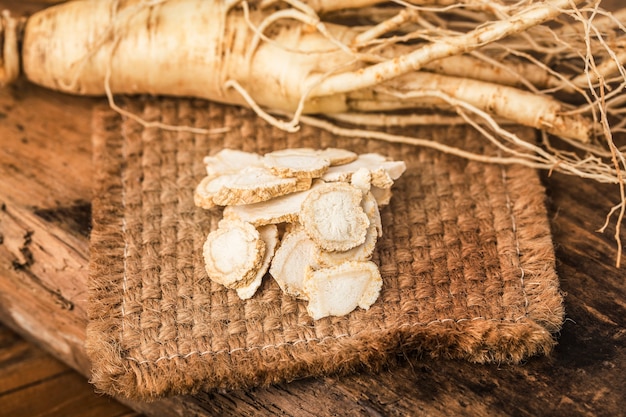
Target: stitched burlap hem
<point>466,259</point>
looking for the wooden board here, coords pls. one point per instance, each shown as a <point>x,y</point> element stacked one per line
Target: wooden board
<point>45,194</point>
<point>28,373</point>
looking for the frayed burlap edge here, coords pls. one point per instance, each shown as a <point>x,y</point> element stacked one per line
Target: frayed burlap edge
<point>482,339</point>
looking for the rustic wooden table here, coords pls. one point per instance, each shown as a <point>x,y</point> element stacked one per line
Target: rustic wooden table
<point>45,194</point>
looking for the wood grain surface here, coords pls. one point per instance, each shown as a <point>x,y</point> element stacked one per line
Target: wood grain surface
<point>33,383</point>
<point>45,194</point>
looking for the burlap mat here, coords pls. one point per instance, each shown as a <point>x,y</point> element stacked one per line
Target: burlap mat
<point>466,258</point>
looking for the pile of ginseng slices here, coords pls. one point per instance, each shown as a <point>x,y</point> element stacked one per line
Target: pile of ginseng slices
<point>308,216</point>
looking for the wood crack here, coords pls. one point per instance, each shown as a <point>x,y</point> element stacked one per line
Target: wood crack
<point>24,259</point>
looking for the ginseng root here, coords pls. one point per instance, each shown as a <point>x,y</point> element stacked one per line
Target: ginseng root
<point>135,47</point>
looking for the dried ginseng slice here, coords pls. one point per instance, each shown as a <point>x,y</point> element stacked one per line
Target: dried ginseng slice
<point>298,162</point>
<point>382,195</point>
<point>208,187</point>
<point>293,259</point>
<point>269,234</point>
<point>283,209</point>
<point>338,156</point>
<point>364,251</point>
<point>362,179</point>
<point>333,217</point>
<point>233,253</point>
<point>338,290</point>
<point>255,184</point>
<point>384,172</point>
<point>230,161</point>
<point>370,207</point>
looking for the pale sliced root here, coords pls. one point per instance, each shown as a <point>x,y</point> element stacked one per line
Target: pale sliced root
<point>293,258</point>
<point>330,228</point>
<point>338,156</point>
<point>364,251</point>
<point>250,185</point>
<point>298,163</point>
<point>370,205</point>
<point>306,162</point>
<point>283,209</point>
<point>381,195</point>
<point>206,189</point>
<point>333,218</point>
<point>362,179</point>
<point>269,235</point>
<point>383,171</point>
<point>338,290</point>
<point>233,253</point>
<point>344,172</point>
<point>244,190</point>
<point>231,161</point>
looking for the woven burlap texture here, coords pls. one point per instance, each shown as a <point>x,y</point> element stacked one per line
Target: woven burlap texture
<point>466,259</point>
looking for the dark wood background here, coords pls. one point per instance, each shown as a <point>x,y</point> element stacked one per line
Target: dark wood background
<point>45,193</point>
